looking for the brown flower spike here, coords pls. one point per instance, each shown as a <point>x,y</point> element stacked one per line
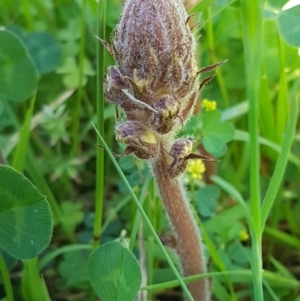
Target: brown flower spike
<point>155,82</point>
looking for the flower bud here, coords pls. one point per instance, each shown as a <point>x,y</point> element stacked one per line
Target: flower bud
<point>180,151</point>
<point>142,142</point>
<point>155,51</point>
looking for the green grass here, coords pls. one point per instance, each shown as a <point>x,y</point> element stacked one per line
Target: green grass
<point>95,197</point>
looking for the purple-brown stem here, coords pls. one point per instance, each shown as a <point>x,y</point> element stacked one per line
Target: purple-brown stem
<point>188,239</point>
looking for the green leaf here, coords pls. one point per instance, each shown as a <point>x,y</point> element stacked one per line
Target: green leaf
<point>72,270</point>
<point>214,146</point>
<point>18,74</point>
<point>127,164</point>
<point>289,25</point>
<point>25,216</point>
<point>20,154</point>
<point>270,12</point>
<point>281,268</point>
<point>193,126</point>
<point>282,238</point>
<point>44,50</point>
<point>72,214</point>
<point>219,290</point>
<point>228,25</point>
<point>244,136</point>
<point>1,107</point>
<point>114,272</point>
<point>212,125</point>
<point>239,254</point>
<point>8,259</point>
<point>215,132</point>
<point>206,199</point>
<point>278,4</point>
<point>234,230</point>
<point>114,9</point>
<point>222,2</point>
<point>201,6</point>
<point>71,74</point>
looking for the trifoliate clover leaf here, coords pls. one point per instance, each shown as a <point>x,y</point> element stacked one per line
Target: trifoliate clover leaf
<point>18,73</point>
<point>216,133</point>
<point>206,200</point>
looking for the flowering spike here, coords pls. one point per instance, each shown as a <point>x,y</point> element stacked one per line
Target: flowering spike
<point>155,53</point>
<point>155,82</point>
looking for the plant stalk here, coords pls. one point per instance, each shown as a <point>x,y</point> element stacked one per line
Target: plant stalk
<point>188,240</point>
<point>6,280</point>
<point>100,121</point>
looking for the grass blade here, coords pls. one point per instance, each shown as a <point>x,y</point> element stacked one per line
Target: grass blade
<point>281,164</point>
<point>99,198</point>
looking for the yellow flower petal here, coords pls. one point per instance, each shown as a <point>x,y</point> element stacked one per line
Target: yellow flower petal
<point>209,105</point>
<point>196,168</point>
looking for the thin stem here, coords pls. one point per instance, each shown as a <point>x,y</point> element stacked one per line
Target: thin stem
<point>6,280</point>
<point>76,111</point>
<point>153,208</point>
<point>252,27</point>
<point>281,163</point>
<point>188,242</point>
<point>239,276</point>
<point>282,104</point>
<point>32,281</point>
<point>24,134</point>
<point>100,121</point>
<point>138,215</point>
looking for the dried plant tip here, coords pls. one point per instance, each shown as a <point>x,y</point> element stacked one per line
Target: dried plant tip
<point>139,139</point>
<point>190,17</point>
<point>202,157</point>
<point>196,25</point>
<point>211,67</point>
<point>205,81</point>
<point>104,43</point>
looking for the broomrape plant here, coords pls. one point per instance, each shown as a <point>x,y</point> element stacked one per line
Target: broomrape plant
<point>155,82</point>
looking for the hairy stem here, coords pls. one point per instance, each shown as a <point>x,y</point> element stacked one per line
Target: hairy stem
<point>188,240</point>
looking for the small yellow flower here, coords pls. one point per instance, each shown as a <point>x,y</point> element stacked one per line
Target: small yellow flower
<point>243,235</point>
<point>209,105</point>
<point>196,168</point>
